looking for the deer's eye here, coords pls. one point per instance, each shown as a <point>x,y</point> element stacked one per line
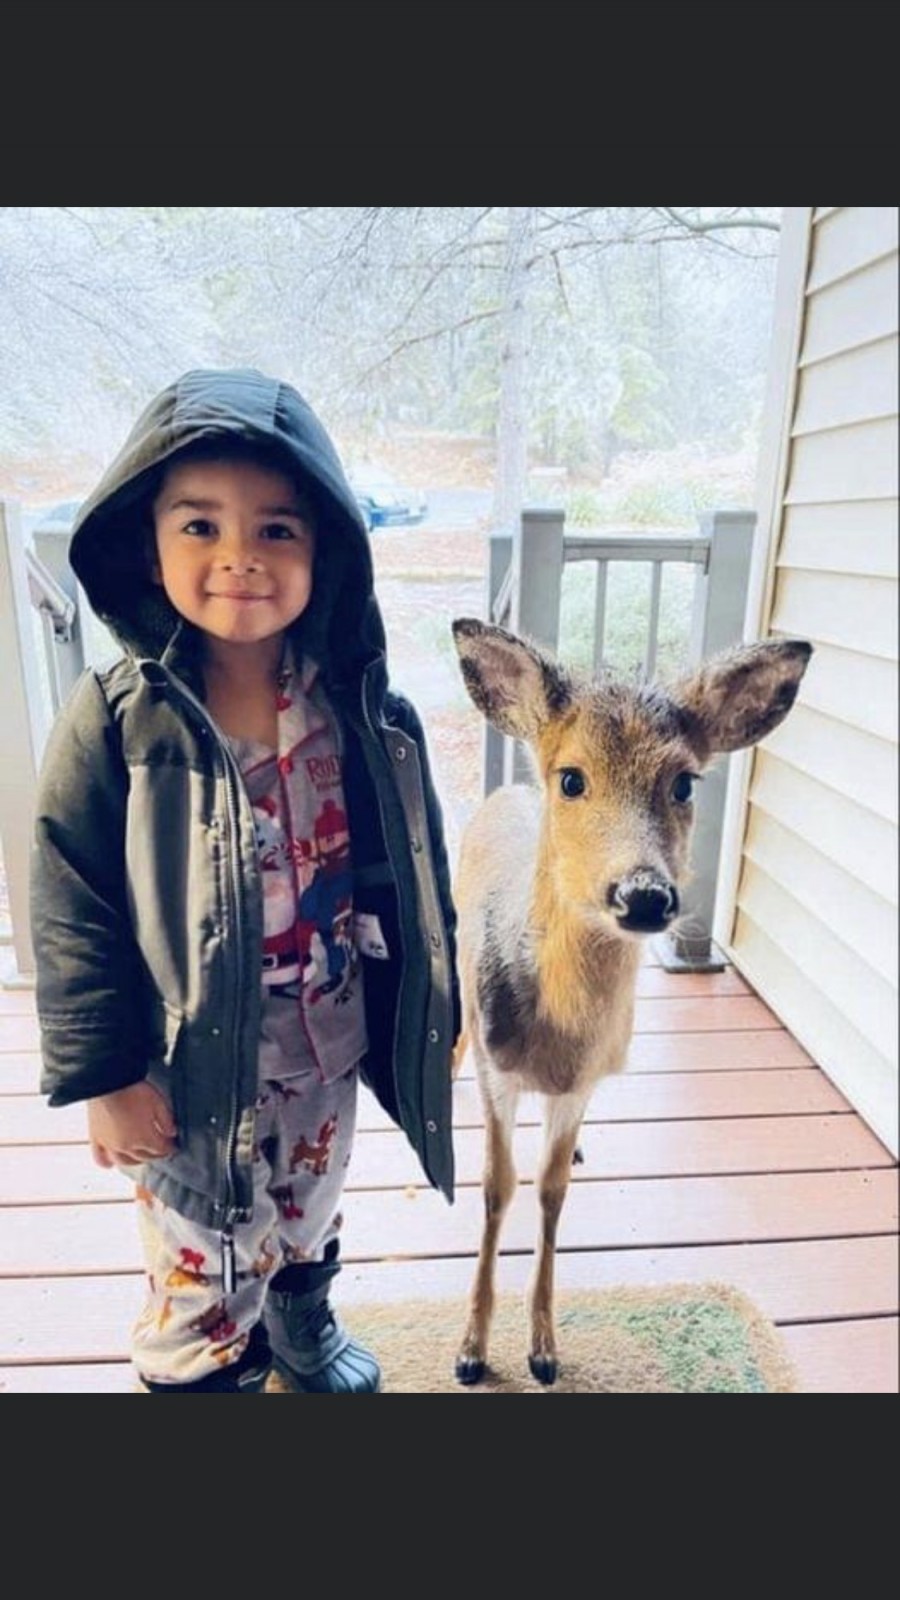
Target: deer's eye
<point>571,782</point>
<point>683,788</point>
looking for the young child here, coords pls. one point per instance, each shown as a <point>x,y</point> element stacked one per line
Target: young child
<point>240,890</point>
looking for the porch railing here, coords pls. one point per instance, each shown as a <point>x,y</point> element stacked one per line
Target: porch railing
<point>41,655</point>
<point>42,651</point>
<point>524,593</point>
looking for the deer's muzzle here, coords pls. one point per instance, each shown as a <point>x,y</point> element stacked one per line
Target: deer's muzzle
<point>644,902</point>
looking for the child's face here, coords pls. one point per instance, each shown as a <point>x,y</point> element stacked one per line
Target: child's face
<point>234,548</point>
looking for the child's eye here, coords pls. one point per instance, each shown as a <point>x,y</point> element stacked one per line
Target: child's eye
<point>200,527</point>
<point>279,530</point>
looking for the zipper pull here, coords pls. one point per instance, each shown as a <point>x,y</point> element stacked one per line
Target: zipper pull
<point>229,1270</point>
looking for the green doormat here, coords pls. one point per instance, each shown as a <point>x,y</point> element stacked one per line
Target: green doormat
<point>678,1339</point>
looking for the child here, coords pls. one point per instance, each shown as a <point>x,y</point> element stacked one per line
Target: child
<point>240,891</point>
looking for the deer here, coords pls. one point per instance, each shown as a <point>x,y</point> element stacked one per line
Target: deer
<point>559,882</point>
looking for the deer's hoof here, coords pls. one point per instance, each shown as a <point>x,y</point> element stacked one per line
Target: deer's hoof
<point>578,1156</point>
<point>544,1368</point>
<point>469,1369</point>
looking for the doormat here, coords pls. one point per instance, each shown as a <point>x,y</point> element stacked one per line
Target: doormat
<point>705,1338</point>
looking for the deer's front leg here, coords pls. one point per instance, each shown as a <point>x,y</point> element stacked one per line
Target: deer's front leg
<point>562,1121</point>
<point>499,1185</point>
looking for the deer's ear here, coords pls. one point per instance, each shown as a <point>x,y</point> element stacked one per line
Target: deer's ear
<point>512,682</point>
<point>737,698</point>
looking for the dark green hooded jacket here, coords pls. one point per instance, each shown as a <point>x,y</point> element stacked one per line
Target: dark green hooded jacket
<point>146,894</point>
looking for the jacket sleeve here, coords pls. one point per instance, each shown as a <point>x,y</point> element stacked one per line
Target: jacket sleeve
<point>406,716</point>
<point>89,971</point>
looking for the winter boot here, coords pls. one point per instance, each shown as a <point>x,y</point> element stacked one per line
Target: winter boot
<point>311,1349</point>
<point>246,1376</point>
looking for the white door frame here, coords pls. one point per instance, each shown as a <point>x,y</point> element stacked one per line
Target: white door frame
<point>788,320</point>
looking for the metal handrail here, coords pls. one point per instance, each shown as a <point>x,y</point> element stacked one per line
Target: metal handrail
<point>48,598</point>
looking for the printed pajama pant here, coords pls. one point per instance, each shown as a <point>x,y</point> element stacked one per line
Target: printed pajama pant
<point>188,1327</point>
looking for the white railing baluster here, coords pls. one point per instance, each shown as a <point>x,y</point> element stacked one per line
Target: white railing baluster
<point>600,614</point>
<point>653,622</point>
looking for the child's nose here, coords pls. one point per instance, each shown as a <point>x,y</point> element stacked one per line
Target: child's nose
<point>235,556</point>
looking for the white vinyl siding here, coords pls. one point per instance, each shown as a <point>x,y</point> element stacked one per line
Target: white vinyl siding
<point>852,312</point>
<point>864,845</point>
<point>851,387</point>
<point>852,463</point>
<point>854,688</point>
<point>861,1072</point>
<point>850,239</point>
<point>854,913</point>
<point>814,917</point>
<point>858,613</point>
<point>843,536</point>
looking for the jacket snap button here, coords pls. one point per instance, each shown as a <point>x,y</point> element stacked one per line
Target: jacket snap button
<point>435,941</point>
<point>400,752</point>
<point>431,1127</point>
<point>416,845</point>
<point>433,1035</point>
<point>215,1032</point>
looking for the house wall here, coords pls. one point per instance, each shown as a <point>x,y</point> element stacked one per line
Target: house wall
<point>810,915</point>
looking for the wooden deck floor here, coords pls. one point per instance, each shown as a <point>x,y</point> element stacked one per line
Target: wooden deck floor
<point>722,1153</point>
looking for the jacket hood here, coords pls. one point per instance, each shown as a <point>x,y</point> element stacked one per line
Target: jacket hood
<point>341,627</point>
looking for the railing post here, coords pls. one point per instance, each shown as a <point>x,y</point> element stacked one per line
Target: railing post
<point>537,564</point>
<point>718,623</point>
<point>25,725</point>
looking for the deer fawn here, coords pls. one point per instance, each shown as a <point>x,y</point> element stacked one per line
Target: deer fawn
<point>557,885</point>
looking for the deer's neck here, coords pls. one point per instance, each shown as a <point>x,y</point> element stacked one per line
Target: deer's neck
<point>584,973</point>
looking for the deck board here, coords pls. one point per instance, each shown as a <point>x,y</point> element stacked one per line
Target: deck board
<point>689,1148</point>
<point>83,1318</point>
<point>723,1153</point>
<point>623,1098</point>
<point>846,1357</point>
<point>607,1214</point>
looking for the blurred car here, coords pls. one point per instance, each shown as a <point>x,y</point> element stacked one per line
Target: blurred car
<point>383,501</point>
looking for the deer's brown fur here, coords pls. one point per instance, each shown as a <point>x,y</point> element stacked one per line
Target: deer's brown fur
<point>555,891</point>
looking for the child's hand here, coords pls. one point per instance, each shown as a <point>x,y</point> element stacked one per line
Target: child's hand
<point>130,1125</point>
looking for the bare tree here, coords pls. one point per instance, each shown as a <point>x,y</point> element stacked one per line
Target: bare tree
<point>532,322</point>
<point>511,256</point>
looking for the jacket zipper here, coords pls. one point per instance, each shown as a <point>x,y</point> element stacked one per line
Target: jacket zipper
<point>229,1273</point>
<point>385,759</point>
<point>231,1213</point>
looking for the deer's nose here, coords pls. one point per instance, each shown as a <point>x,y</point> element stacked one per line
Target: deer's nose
<point>644,902</point>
